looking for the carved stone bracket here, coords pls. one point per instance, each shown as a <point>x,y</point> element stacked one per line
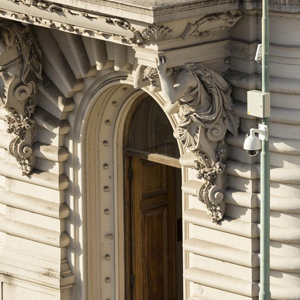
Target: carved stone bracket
<point>205,112</point>
<point>211,23</point>
<point>20,66</point>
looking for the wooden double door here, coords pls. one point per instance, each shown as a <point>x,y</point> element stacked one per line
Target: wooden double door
<point>153,258</point>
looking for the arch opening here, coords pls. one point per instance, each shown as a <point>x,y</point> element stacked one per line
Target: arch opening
<point>153,205</point>
<point>102,236</point>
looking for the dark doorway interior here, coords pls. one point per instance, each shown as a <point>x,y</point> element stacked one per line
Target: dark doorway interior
<point>153,208</point>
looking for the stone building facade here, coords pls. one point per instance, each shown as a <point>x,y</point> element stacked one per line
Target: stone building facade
<point>94,188</point>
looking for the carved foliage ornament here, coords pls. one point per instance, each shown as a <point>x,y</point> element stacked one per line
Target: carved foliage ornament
<point>156,33</point>
<point>206,114</point>
<point>54,8</point>
<point>211,23</point>
<point>153,33</point>
<point>20,66</point>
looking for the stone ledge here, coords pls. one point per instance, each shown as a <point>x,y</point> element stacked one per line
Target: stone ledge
<point>252,171</point>
<point>45,179</point>
<point>241,228</point>
<point>252,81</point>
<point>34,205</point>
<point>222,282</point>
<point>49,152</point>
<point>252,200</point>
<point>277,115</point>
<point>221,252</point>
<point>284,146</point>
<point>33,233</point>
<point>24,273</point>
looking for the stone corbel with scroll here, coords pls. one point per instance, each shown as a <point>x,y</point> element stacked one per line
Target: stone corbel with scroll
<point>201,97</point>
<point>20,67</point>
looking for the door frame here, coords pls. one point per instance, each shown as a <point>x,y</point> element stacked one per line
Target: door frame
<point>127,154</point>
<point>153,157</point>
<point>121,140</point>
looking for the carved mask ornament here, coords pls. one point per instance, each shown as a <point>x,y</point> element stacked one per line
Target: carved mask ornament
<point>20,66</point>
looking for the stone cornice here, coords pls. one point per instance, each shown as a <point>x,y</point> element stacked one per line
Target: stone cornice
<point>109,28</point>
<point>289,6</point>
<point>146,11</point>
<point>112,29</point>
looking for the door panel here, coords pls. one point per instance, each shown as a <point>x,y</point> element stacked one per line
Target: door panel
<point>153,228</point>
<point>154,253</point>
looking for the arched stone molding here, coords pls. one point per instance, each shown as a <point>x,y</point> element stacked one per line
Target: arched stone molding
<point>102,164</point>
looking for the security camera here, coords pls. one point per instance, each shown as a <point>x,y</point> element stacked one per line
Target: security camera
<point>252,143</point>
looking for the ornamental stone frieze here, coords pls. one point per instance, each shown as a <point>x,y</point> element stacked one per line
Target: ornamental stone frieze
<point>20,67</point>
<point>116,29</point>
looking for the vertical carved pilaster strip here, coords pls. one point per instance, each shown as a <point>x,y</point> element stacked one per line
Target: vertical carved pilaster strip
<point>20,67</point>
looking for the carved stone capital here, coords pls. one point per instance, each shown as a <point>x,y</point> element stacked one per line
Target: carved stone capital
<point>19,68</point>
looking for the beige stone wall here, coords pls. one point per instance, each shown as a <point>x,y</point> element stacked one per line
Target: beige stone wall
<point>55,227</point>
<point>243,171</point>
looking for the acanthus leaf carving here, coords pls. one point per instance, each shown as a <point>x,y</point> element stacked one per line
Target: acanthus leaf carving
<point>26,2</point>
<point>211,23</point>
<point>20,67</point>
<point>137,36</point>
<point>205,112</point>
<point>155,33</point>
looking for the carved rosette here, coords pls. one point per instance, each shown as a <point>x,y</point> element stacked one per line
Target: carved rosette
<point>20,66</point>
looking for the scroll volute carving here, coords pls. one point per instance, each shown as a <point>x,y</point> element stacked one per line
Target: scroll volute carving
<point>20,66</point>
<point>201,97</point>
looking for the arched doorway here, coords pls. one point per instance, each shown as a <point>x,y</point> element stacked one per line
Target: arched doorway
<point>109,106</point>
<point>153,209</point>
